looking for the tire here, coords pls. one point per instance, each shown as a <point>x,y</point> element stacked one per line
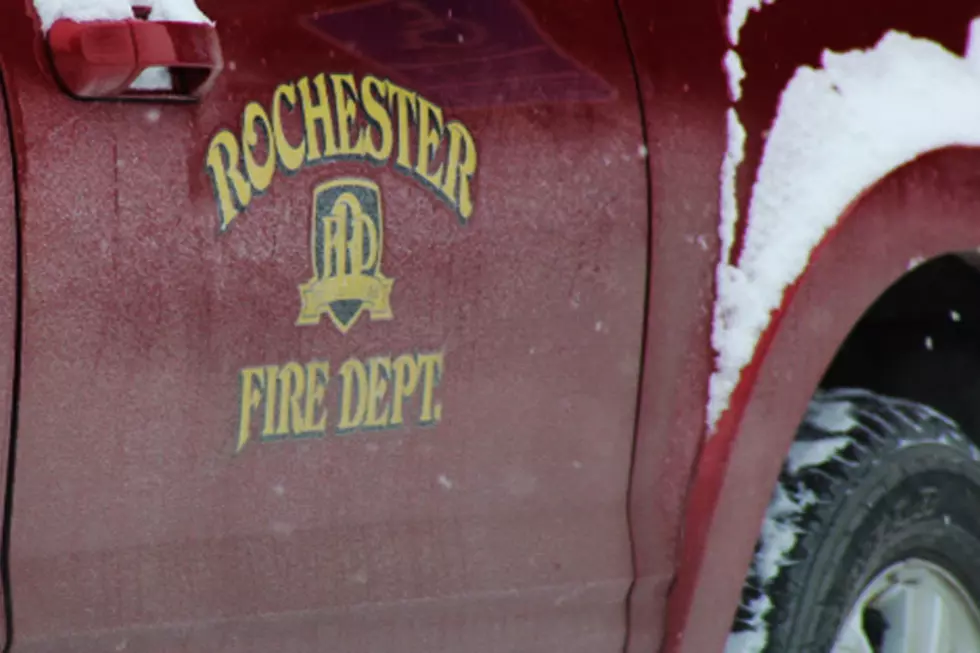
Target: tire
<point>870,482</point>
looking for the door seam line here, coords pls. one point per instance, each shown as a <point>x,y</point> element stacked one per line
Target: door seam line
<point>8,500</point>
<point>648,184</point>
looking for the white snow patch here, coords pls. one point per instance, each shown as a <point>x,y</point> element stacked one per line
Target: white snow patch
<point>780,531</point>
<point>735,73</point>
<point>154,78</point>
<point>183,11</point>
<point>838,130</point>
<point>810,453</point>
<point>734,154</point>
<point>738,13</point>
<point>754,640</point>
<point>954,316</point>
<point>48,11</point>
<point>831,416</point>
<point>929,343</point>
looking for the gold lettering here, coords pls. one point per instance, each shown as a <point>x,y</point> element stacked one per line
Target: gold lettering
<point>402,103</point>
<point>352,414</point>
<point>317,378</point>
<point>222,163</point>
<point>373,393</point>
<point>251,382</point>
<point>432,368</point>
<point>429,140</point>
<point>406,372</point>
<point>260,175</point>
<point>271,387</point>
<point>461,170</point>
<point>317,113</point>
<point>290,156</point>
<point>345,97</point>
<point>379,372</point>
<point>290,413</point>
<point>372,93</point>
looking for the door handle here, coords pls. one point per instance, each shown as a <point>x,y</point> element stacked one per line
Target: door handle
<point>102,59</point>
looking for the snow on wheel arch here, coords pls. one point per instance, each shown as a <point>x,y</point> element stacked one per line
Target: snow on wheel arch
<point>838,130</point>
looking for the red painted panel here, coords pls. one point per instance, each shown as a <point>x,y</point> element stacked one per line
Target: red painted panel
<point>8,297</point>
<point>519,62</point>
<point>496,521</point>
<point>678,47</point>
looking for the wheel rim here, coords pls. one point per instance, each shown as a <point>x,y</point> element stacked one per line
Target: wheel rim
<point>913,606</point>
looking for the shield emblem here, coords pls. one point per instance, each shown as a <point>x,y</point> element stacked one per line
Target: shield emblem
<point>347,244</point>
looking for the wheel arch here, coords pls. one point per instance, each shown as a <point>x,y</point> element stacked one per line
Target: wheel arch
<point>923,210</point>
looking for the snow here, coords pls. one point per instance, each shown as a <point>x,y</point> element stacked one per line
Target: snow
<point>49,11</point>
<point>738,13</point>
<point>729,167</point>
<point>154,78</point>
<point>838,129</point>
<point>81,10</point>
<point>831,416</point>
<point>735,74</point>
<point>182,11</point>
<point>755,639</point>
<point>780,530</point>
<point>954,316</point>
<point>809,453</point>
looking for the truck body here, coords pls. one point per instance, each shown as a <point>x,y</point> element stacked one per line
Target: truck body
<point>450,325</point>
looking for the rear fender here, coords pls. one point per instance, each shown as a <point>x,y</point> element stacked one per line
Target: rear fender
<point>924,209</point>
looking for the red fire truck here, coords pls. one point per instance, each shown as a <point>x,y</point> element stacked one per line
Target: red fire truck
<point>490,326</point>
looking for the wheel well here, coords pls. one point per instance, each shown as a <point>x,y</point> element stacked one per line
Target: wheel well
<point>921,341</point>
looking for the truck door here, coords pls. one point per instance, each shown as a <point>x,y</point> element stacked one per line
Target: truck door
<point>344,356</point>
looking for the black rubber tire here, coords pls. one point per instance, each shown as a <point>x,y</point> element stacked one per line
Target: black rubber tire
<point>905,485</point>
